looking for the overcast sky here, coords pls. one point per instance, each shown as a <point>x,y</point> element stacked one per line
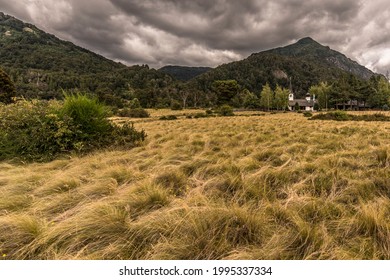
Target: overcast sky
<point>208,33</point>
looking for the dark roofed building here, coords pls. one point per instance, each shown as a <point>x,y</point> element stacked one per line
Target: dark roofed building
<point>306,104</point>
<point>353,105</point>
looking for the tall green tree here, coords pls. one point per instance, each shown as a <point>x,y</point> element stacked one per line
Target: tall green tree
<point>340,92</point>
<point>7,88</point>
<point>281,98</point>
<point>225,90</point>
<point>245,99</point>
<point>381,94</point>
<point>267,97</point>
<point>322,94</point>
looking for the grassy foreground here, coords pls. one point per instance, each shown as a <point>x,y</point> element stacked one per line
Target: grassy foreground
<point>246,187</point>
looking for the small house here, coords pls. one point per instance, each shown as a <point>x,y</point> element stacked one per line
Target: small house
<point>306,104</point>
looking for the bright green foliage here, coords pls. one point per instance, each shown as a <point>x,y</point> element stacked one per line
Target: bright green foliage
<point>7,88</point>
<point>225,90</point>
<point>322,94</point>
<point>31,130</point>
<point>89,115</point>
<point>41,130</point>
<point>267,97</point>
<point>281,98</point>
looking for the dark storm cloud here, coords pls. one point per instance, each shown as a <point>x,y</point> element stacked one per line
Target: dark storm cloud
<point>202,32</point>
<point>243,26</point>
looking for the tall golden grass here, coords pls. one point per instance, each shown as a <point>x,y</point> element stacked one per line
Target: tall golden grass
<point>276,186</point>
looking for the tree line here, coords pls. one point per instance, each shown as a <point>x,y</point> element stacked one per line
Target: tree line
<point>152,89</point>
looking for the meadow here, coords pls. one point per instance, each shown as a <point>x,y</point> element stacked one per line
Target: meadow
<point>272,186</point>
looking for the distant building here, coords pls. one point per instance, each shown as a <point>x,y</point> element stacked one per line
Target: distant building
<point>306,104</point>
<point>353,105</point>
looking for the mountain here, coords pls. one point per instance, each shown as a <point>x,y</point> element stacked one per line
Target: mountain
<point>184,73</point>
<point>312,51</point>
<point>41,65</point>
<point>305,62</point>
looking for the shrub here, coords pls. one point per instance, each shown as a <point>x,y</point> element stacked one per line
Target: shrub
<point>42,130</point>
<point>32,131</point>
<point>343,116</point>
<point>209,112</point>
<point>200,115</point>
<point>88,114</point>
<point>168,118</point>
<point>134,113</point>
<point>175,105</point>
<point>307,114</point>
<point>337,116</point>
<point>225,110</point>
<point>127,136</point>
<point>134,104</point>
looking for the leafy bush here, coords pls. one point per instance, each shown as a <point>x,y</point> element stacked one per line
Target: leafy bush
<point>175,105</point>
<point>31,130</point>
<point>134,104</point>
<point>373,118</point>
<point>343,116</point>
<point>127,136</point>
<point>88,114</point>
<point>307,114</point>
<point>201,115</point>
<point>225,110</point>
<point>209,112</point>
<point>42,130</point>
<point>134,113</point>
<point>336,116</point>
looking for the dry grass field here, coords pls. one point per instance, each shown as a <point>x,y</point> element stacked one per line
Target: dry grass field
<point>277,186</point>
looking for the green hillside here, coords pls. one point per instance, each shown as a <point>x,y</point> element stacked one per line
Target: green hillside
<point>41,65</point>
<point>312,51</point>
<point>305,62</point>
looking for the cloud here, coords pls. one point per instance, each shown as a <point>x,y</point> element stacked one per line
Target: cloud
<point>208,33</point>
